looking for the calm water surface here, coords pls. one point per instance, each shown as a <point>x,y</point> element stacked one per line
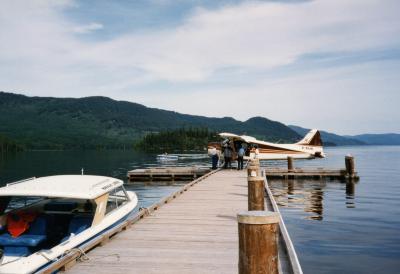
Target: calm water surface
<point>346,228</point>
<point>336,227</point>
<point>107,163</point>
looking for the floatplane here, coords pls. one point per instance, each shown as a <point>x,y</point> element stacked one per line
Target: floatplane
<point>42,219</point>
<point>309,147</point>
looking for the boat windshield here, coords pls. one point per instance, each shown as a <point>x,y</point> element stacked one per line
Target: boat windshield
<point>116,198</point>
<point>8,203</point>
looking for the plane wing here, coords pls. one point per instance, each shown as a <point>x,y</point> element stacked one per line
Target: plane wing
<point>247,139</point>
<point>229,135</point>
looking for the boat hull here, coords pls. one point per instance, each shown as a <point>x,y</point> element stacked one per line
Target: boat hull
<point>42,258</point>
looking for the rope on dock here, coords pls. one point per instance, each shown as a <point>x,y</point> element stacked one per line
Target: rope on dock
<point>146,210</point>
<point>82,257</point>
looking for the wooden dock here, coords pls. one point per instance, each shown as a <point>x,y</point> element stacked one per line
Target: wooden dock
<point>308,173</point>
<point>196,232</point>
<point>166,173</point>
<point>347,174</point>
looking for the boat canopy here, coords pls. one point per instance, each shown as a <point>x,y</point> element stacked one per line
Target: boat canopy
<point>62,186</point>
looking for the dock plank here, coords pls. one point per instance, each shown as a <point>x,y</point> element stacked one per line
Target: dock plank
<point>166,173</point>
<point>196,233</point>
<point>310,173</point>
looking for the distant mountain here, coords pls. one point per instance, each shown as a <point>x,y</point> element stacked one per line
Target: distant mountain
<point>265,129</point>
<point>90,122</point>
<point>331,139</point>
<point>379,139</point>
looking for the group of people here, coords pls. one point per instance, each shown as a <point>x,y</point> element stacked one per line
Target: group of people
<point>227,153</point>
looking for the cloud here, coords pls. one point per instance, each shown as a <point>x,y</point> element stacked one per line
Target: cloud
<point>88,28</point>
<point>234,47</point>
<point>257,35</point>
<point>347,100</point>
<point>250,35</point>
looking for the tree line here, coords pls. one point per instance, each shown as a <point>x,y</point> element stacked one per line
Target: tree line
<point>183,139</point>
<point>8,145</point>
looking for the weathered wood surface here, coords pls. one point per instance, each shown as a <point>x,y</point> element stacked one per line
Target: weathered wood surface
<point>298,173</point>
<point>196,232</point>
<point>166,173</point>
<point>348,174</point>
<point>256,193</point>
<point>253,169</point>
<point>258,242</point>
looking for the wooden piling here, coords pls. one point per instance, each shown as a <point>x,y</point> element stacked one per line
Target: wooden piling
<point>253,169</point>
<point>290,164</point>
<point>350,168</point>
<point>258,242</point>
<point>249,168</point>
<point>256,191</point>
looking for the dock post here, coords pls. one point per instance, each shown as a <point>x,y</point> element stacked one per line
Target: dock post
<point>258,242</point>
<point>253,168</point>
<point>256,191</point>
<point>350,169</point>
<point>290,164</point>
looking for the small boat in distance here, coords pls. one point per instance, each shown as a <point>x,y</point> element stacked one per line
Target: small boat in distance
<point>309,147</point>
<point>43,218</point>
<point>167,157</point>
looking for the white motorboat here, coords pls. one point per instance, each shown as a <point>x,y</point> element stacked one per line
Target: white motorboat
<point>43,218</point>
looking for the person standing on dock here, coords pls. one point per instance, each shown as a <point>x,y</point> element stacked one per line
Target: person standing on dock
<point>241,152</point>
<point>255,151</point>
<point>214,157</point>
<point>227,156</point>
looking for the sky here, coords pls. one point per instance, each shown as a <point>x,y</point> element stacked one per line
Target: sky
<point>327,64</point>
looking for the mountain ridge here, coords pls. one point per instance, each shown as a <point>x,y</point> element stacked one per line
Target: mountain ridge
<point>330,139</point>
<point>350,140</point>
<point>102,122</point>
<point>379,138</point>
<point>97,121</point>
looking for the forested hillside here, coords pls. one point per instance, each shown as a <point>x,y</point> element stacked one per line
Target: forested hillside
<point>100,122</point>
<point>8,145</point>
<point>178,140</point>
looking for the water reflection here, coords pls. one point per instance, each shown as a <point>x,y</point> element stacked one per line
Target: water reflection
<point>307,195</point>
<point>315,204</point>
<point>350,190</point>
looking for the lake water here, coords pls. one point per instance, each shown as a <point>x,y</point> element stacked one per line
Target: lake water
<point>336,227</point>
<point>114,163</point>
<point>346,228</point>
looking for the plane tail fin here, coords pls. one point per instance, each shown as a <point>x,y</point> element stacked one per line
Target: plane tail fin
<point>312,138</point>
